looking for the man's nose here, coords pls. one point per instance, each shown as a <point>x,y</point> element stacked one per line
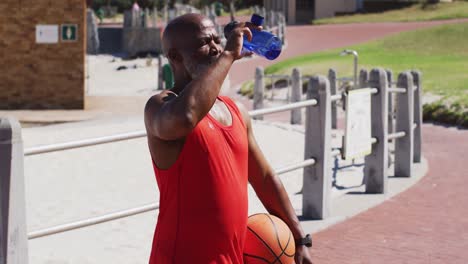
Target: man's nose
<point>215,49</point>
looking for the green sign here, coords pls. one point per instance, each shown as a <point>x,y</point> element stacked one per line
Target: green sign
<point>69,32</point>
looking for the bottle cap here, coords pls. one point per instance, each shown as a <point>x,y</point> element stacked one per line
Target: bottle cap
<point>257,20</point>
<point>229,27</point>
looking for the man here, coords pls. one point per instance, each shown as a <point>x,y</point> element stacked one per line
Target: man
<point>204,153</point>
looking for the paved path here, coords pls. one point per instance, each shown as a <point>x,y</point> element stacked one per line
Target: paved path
<point>427,223</point>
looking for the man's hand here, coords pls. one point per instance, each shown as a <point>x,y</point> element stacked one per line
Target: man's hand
<point>235,40</point>
<point>302,255</point>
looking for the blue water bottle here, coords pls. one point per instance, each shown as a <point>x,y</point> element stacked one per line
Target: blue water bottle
<point>263,43</point>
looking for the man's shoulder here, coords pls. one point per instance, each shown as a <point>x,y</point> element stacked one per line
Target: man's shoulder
<point>243,111</point>
<point>157,100</point>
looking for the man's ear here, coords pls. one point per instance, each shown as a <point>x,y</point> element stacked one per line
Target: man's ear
<point>174,55</point>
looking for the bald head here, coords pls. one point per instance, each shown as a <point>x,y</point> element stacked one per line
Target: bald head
<point>183,30</point>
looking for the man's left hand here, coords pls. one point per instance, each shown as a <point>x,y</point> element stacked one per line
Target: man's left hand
<point>302,255</point>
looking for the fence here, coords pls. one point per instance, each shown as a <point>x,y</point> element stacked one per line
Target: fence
<point>316,163</point>
<point>405,117</point>
<point>140,32</point>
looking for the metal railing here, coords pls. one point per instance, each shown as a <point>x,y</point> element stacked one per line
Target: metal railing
<point>135,135</point>
<point>135,211</point>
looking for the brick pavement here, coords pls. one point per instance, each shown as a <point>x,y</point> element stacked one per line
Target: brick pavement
<point>428,223</point>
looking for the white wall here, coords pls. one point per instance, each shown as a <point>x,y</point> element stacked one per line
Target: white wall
<point>328,8</point>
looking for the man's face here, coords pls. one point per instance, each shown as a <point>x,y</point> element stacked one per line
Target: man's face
<point>200,48</point>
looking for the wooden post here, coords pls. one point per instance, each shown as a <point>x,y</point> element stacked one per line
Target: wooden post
<point>13,234</point>
<point>404,122</point>
<point>391,113</point>
<point>259,88</point>
<point>333,91</point>
<point>296,95</point>
<point>417,116</point>
<point>160,73</point>
<point>376,164</point>
<point>155,16</point>
<point>363,78</point>
<point>316,181</point>
<point>232,10</point>
<point>283,29</point>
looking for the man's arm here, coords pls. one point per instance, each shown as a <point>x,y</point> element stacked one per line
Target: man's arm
<point>182,113</point>
<point>270,189</point>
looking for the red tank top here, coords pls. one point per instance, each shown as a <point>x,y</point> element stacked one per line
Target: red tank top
<point>203,196</point>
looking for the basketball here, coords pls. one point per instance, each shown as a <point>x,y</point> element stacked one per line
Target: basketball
<point>268,240</point>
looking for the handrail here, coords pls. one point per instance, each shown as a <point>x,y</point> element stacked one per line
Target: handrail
<point>396,135</point>
<point>92,221</point>
<point>271,76</point>
<point>299,165</point>
<point>396,90</point>
<point>336,97</point>
<point>83,143</point>
<point>272,110</point>
<point>134,211</point>
<point>139,134</point>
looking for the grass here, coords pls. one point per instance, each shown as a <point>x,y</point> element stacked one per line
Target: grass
<point>418,12</point>
<point>240,12</point>
<point>440,53</point>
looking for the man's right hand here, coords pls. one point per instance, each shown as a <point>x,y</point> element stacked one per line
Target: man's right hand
<point>235,40</point>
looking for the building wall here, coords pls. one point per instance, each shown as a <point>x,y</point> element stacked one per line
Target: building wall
<point>328,8</point>
<point>303,11</point>
<point>41,76</point>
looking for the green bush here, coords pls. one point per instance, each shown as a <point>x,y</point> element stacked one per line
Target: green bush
<point>450,115</point>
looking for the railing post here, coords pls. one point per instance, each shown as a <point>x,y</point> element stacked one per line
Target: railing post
<point>404,122</point>
<point>391,115</point>
<point>296,95</point>
<point>363,78</point>
<point>417,116</point>
<point>375,170</point>
<point>333,91</point>
<point>13,234</point>
<point>160,72</point>
<point>316,180</point>
<point>259,88</point>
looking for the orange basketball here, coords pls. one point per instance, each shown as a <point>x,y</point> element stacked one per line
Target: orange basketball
<point>268,240</point>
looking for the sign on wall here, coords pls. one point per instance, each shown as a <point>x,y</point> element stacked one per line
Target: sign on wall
<point>47,34</point>
<point>357,139</point>
<point>69,32</point>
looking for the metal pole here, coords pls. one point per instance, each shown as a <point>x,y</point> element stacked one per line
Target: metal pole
<point>376,169</point>
<point>13,238</point>
<point>333,91</point>
<point>258,90</point>
<point>296,115</point>
<point>356,57</point>
<point>316,180</point>
<point>417,116</point>
<point>160,73</point>
<point>364,79</point>
<point>356,85</point>
<point>391,116</point>
<point>405,115</point>
<point>282,108</point>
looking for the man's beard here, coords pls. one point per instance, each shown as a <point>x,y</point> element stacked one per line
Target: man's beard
<point>195,69</point>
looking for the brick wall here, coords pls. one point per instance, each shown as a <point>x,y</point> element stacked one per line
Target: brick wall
<point>41,76</point>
